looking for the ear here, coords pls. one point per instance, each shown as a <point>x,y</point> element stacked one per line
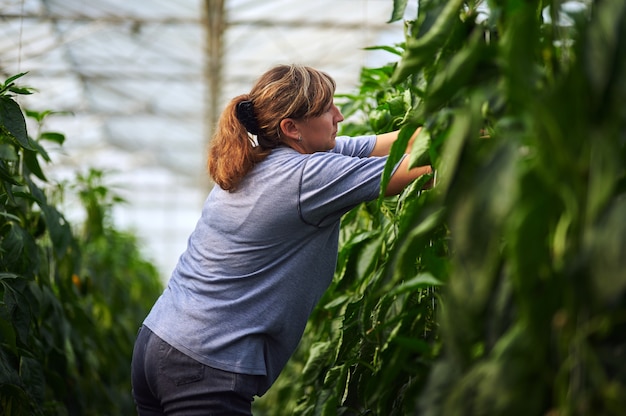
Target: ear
<point>289,129</point>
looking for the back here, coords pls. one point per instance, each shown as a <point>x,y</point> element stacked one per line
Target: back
<point>263,256</point>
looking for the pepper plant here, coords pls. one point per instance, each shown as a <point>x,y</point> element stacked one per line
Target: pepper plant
<point>501,291</point>
<point>71,297</point>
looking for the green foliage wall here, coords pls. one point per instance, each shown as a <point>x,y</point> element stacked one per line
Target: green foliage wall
<point>71,299</point>
<point>502,291</point>
<point>535,306</point>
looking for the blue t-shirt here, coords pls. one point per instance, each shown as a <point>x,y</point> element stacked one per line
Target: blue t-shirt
<point>261,257</point>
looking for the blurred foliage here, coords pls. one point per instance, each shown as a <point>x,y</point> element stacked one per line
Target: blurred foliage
<point>502,291</point>
<point>71,300</point>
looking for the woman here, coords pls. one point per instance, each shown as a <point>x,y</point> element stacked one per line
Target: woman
<point>264,249</point>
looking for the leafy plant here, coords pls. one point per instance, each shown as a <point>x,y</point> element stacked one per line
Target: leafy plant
<point>70,302</point>
<point>520,105</point>
<point>369,344</point>
<point>529,326</point>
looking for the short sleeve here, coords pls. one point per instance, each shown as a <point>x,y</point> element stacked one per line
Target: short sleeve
<point>332,184</point>
<point>360,146</point>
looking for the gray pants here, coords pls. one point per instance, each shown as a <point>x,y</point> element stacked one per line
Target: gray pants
<point>167,382</point>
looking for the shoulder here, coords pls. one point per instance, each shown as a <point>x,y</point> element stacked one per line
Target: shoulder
<point>358,146</point>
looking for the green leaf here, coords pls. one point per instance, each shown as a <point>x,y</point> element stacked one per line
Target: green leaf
<point>13,242</point>
<point>8,176</point>
<point>422,280</point>
<point>414,344</point>
<point>421,50</point>
<point>320,356</point>
<point>53,137</point>
<point>58,227</point>
<point>4,275</point>
<point>21,90</point>
<point>455,76</point>
<point>396,154</point>
<point>337,301</point>
<point>20,312</point>
<point>607,249</point>
<point>7,152</point>
<point>350,330</point>
<point>32,375</point>
<point>458,134</point>
<point>335,383</point>
<point>604,48</point>
<point>39,116</point>
<point>14,77</point>
<point>420,151</point>
<point>12,120</point>
<point>394,50</point>
<point>399,7</point>
<point>31,161</point>
<point>410,242</point>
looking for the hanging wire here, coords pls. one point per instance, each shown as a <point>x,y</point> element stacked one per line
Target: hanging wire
<point>19,44</point>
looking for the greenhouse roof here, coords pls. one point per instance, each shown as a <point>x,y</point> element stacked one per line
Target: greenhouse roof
<point>138,84</point>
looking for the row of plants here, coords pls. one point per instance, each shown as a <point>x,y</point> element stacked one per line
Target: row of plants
<point>71,295</point>
<point>501,291</point>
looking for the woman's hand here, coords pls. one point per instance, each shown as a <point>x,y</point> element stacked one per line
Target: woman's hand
<point>403,175</point>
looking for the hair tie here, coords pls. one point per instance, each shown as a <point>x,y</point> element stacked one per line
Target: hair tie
<point>245,115</point>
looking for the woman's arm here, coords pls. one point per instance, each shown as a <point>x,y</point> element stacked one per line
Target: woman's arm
<point>385,140</point>
<point>403,175</point>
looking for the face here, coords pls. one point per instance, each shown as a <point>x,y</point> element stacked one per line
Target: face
<point>318,133</point>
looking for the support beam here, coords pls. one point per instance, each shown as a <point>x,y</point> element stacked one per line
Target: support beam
<point>215,24</point>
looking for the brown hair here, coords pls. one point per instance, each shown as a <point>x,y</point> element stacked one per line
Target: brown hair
<point>285,91</point>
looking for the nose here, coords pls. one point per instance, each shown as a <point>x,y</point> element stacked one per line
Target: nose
<point>338,115</point>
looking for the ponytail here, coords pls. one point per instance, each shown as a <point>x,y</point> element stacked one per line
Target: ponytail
<point>232,152</point>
